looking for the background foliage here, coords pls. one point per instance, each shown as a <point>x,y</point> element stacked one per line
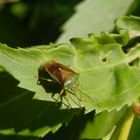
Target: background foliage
<point>28,23</point>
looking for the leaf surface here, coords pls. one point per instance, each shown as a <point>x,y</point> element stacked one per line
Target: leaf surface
<point>105,73</point>
<point>99,16</point>
<point>132,24</point>
<point>108,79</point>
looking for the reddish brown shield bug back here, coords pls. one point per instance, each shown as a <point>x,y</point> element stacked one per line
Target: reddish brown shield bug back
<point>58,78</point>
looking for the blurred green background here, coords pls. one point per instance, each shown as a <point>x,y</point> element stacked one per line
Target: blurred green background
<point>24,23</point>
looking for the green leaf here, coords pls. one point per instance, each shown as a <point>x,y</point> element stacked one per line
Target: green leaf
<point>104,70</point>
<point>102,124</point>
<point>108,79</point>
<point>134,133</point>
<point>132,24</point>
<point>123,127</point>
<point>94,16</point>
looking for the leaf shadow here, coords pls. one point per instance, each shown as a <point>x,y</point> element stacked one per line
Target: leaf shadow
<point>19,111</point>
<point>13,137</point>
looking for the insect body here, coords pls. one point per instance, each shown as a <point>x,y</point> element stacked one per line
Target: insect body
<point>61,78</point>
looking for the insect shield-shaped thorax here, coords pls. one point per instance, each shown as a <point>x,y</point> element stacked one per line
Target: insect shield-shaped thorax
<point>58,78</point>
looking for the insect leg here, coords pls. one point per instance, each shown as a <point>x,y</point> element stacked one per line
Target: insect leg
<point>62,95</point>
<point>71,92</point>
<point>54,98</point>
<point>78,104</point>
<point>59,97</point>
<point>69,105</point>
<point>49,80</point>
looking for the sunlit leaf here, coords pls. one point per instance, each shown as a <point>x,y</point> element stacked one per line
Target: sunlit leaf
<point>108,79</point>
<point>94,16</point>
<point>132,24</point>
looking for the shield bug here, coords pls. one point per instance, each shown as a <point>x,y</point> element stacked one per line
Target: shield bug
<point>58,78</point>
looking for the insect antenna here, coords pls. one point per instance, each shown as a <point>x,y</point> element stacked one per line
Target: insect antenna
<point>48,80</point>
<point>91,99</point>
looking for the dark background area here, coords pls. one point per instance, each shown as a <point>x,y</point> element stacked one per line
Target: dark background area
<point>26,23</point>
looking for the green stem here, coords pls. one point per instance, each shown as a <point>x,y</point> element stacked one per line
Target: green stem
<point>126,126</point>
